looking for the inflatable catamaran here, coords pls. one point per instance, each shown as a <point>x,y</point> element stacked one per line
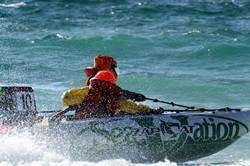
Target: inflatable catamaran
<point>178,135</point>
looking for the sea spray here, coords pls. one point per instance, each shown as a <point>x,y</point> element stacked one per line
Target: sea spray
<point>118,162</point>
<point>25,148</point>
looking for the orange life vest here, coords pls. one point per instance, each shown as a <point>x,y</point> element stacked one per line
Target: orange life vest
<point>102,100</point>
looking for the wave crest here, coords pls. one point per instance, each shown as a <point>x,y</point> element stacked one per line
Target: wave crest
<point>13,5</point>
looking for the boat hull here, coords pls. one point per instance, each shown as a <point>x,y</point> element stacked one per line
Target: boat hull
<point>178,137</point>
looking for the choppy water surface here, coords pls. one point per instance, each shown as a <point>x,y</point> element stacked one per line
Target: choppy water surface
<point>190,52</point>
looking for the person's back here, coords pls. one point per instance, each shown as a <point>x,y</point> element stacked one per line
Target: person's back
<point>103,97</point>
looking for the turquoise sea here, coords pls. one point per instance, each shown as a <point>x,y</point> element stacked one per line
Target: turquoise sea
<point>192,52</point>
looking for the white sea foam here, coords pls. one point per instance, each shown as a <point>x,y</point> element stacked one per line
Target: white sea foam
<point>13,5</point>
<point>24,150</point>
<point>119,162</point>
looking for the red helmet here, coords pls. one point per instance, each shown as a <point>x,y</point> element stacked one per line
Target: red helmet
<point>102,62</point>
<point>105,76</point>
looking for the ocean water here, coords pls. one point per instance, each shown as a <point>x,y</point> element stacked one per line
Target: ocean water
<point>192,52</point>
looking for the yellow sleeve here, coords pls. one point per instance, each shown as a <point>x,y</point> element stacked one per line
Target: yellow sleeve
<point>131,107</point>
<point>74,96</point>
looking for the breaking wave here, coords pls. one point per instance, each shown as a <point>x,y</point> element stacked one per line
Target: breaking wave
<point>13,5</point>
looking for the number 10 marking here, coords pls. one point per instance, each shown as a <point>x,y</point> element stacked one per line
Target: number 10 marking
<point>27,101</point>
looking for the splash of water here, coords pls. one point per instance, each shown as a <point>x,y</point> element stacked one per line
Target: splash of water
<point>24,148</point>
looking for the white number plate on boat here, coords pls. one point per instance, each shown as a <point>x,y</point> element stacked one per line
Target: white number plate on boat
<point>25,101</point>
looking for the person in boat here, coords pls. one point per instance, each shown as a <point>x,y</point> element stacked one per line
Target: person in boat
<point>101,96</point>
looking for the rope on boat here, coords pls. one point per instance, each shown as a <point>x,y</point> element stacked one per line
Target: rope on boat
<point>226,109</point>
<point>189,108</point>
